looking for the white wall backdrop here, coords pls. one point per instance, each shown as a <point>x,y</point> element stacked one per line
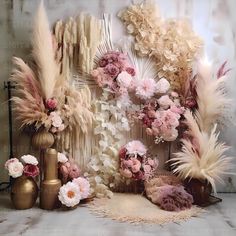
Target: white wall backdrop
<point>213,20</point>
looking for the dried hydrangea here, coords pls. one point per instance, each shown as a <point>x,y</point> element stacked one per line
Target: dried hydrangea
<point>171,43</point>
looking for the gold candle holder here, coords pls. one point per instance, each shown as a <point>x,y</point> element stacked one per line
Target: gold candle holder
<point>50,186</point>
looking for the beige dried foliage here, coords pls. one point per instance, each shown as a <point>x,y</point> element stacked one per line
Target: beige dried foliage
<point>172,43</point>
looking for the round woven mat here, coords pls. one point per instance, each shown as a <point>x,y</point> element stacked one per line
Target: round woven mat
<point>135,208</point>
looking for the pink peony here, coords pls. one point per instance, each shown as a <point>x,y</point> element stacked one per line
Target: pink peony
<point>145,88</point>
<point>15,169</point>
<point>31,170</point>
<point>83,185</point>
<point>135,147</point>
<point>51,103</point>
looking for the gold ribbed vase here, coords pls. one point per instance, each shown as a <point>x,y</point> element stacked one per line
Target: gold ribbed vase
<point>49,187</point>
<point>24,192</point>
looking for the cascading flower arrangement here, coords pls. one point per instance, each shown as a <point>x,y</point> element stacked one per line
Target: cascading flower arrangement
<point>27,166</point>
<point>135,163</point>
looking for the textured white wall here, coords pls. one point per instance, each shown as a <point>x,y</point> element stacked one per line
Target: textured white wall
<point>213,20</point>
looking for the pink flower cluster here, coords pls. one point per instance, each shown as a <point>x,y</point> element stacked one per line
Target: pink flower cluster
<point>68,171</point>
<point>114,72</point>
<point>28,166</point>
<point>161,117</point>
<point>135,162</point>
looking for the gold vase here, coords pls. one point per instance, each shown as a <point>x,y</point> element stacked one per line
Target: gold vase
<point>24,192</point>
<point>42,140</point>
<point>50,186</point>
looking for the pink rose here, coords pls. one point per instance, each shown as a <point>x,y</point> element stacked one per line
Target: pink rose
<point>130,70</point>
<point>112,70</point>
<point>51,103</point>
<point>103,62</point>
<point>31,170</point>
<point>10,161</point>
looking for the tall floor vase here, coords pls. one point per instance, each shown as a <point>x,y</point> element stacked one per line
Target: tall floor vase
<point>49,187</point>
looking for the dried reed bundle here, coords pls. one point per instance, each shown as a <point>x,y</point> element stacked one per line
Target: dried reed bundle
<point>43,53</point>
<point>213,103</point>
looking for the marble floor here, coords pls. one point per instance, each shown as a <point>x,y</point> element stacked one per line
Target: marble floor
<point>219,220</point>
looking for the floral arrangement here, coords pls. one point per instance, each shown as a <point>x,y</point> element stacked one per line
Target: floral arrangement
<point>44,98</point>
<point>75,188</point>
<point>161,117</point>
<point>202,156</point>
<point>172,43</point>
<point>68,169</point>
<point>114,72</point>
<point>28,166</point>
<point>135,162</point>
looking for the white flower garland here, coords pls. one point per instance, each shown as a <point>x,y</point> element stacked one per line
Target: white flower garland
<point>110,124</point>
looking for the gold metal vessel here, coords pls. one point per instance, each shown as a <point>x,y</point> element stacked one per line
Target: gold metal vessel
<point>24,192</point>
<point>50,186</point>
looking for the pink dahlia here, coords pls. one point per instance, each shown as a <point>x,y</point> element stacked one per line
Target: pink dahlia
<point>146,88</point>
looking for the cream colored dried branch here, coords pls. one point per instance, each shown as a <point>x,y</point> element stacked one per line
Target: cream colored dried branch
<point>43,53</point>
<point>213,103</point>
<point>202,156</point>
<point>27,101</point>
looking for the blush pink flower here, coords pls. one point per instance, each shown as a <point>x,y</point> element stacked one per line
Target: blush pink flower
<point>10,161</point>
<point>162,86</point>
<point>135,147</point>
<point>145,88</point>
<point>56,119</point>
<point>51,103</point>
<point>83,185</point>
<point>136,165</point>
<point>165,101</point>
<point>124,79</point>
<point>31,170</point>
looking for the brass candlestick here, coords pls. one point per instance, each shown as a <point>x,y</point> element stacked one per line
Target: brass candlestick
<point>50,186</point>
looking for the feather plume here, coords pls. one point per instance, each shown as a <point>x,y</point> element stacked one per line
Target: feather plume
<point>43,53</point>
<point>213,104</point>
<point>208,162</point>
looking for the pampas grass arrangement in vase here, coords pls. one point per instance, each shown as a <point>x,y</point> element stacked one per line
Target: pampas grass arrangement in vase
<point>202,160</point>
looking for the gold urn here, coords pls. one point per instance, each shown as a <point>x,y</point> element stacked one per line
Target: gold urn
<point>24,192</point>
<point>49,187</point>
<point>42,139</point>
